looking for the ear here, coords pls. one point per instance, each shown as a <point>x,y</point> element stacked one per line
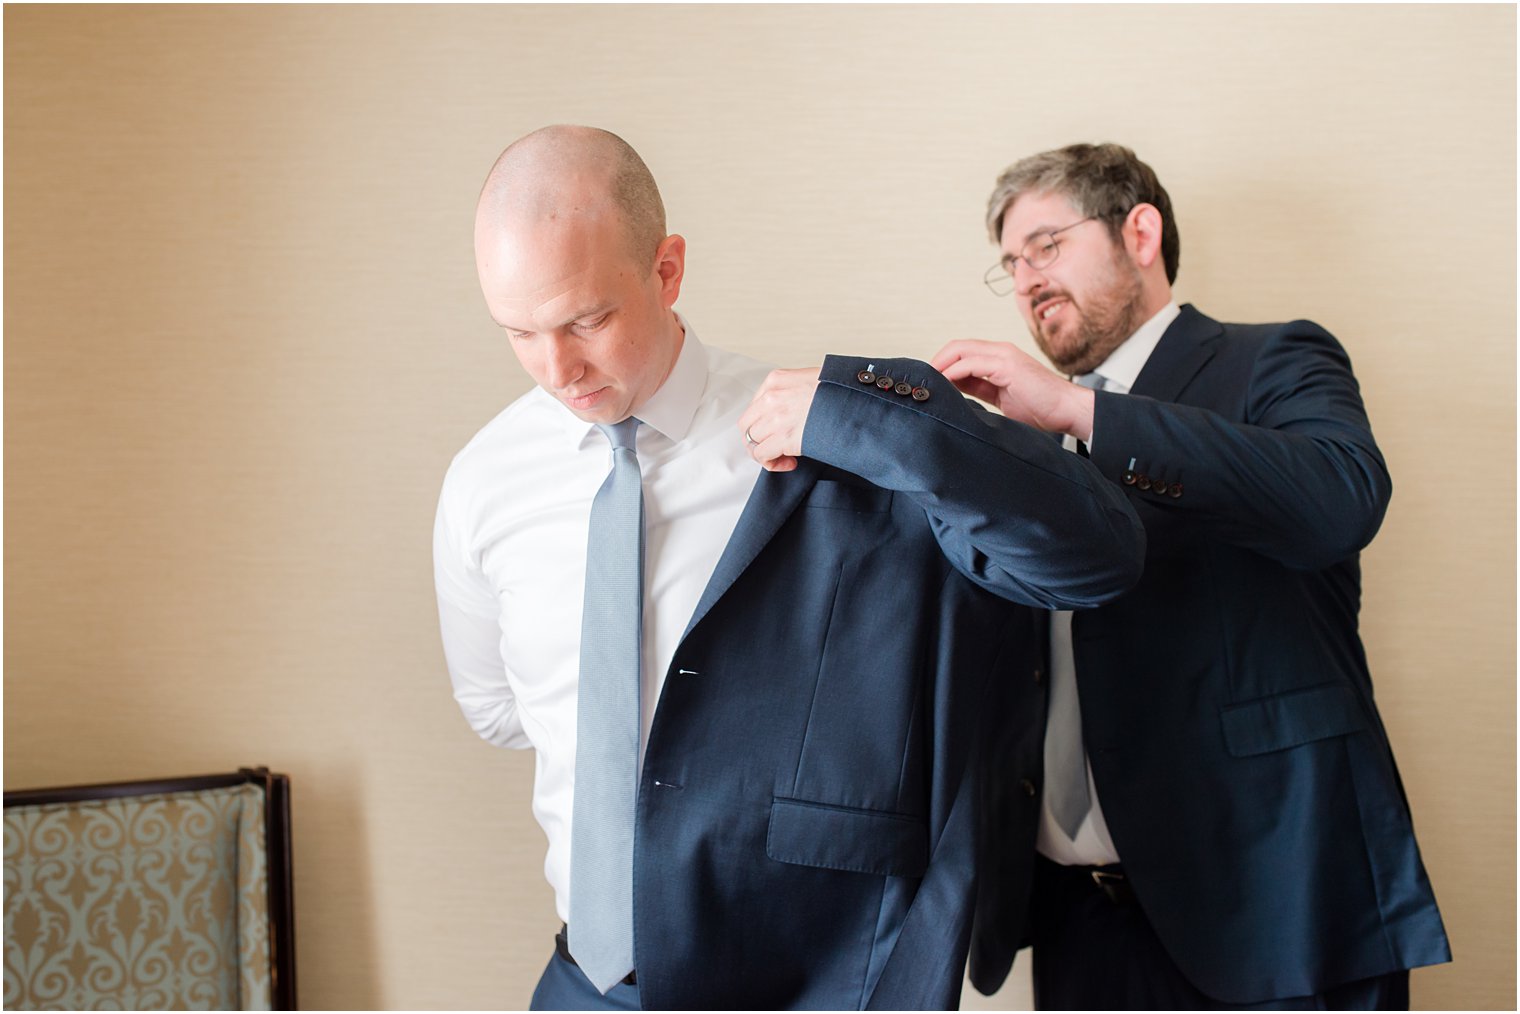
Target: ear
<point>670,265</point>
<point>1142,234</point>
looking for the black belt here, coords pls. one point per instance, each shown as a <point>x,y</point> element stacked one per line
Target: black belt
<point>562,947</point>
<point>1109,879</point>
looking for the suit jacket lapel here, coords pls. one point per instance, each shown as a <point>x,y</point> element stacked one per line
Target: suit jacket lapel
<point>774,498</point>
<point>1188,343</point>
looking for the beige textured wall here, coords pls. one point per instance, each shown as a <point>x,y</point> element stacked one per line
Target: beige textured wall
<point>243,338</point>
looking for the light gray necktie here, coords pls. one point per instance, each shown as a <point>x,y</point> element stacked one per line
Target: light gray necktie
<point>1065,759</point>
<point>607,722</point>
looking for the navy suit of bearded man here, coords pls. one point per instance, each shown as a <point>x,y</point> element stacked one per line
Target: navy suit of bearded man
<point>817,848</point>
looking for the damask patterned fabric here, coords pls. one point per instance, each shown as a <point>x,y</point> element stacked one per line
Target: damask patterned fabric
<point>138,903</point>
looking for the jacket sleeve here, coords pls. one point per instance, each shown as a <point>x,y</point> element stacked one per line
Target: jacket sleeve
<point>1011,510</point>
<point>1298,478</point>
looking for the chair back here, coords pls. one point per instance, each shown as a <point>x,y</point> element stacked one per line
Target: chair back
<point>172,894</point>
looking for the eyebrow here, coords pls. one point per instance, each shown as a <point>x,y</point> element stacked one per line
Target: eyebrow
<point>594,311</point>
<point>1039,230</point>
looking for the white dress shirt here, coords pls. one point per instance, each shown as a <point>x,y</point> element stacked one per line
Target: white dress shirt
<point>509,558</point>
<point>1093,846</point>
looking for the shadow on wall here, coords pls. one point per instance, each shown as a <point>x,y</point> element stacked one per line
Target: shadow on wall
<point>335,918</point>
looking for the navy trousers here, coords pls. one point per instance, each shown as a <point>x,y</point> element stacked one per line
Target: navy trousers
<point>563,986</point>
<point>1093,951</point>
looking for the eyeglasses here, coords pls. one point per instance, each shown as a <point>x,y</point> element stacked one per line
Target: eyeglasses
<point>1040,252</point>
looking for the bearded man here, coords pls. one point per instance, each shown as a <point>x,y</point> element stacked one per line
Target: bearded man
<point>1220,824</point>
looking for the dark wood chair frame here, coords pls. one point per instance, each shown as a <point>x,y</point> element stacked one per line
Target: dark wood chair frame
<point>282,936</point>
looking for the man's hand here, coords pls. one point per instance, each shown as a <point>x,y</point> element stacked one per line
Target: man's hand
<point>772,424</point>
<point>1022,389</point>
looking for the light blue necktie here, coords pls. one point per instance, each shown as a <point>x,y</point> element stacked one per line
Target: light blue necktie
<point>1065,758</point>
<point>607,722</point>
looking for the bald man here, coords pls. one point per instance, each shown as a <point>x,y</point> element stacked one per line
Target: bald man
<point>748,620</point>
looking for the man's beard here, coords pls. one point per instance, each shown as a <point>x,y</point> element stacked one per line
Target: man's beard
<point>1107,319</point>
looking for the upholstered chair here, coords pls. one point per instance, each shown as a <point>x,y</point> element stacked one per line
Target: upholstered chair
<point>151,895</point>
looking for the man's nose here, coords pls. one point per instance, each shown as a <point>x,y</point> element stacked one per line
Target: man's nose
<point>563,366</point>
<point>1027,280</point>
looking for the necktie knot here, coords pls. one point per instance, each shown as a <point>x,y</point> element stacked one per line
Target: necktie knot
<point>621,434</point>
<point>1091,381</point>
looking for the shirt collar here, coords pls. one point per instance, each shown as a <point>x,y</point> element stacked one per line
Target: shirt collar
<point>670,410</point>
<point>1122,367</point>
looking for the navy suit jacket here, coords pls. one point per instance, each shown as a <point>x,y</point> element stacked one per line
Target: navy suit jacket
<point>807,807</point>
<point>1227,708</point>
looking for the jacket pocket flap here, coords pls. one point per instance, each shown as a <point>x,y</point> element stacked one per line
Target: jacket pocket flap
<point>831,494</point>
<point>840,838</point>
<point>1291,719</point>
